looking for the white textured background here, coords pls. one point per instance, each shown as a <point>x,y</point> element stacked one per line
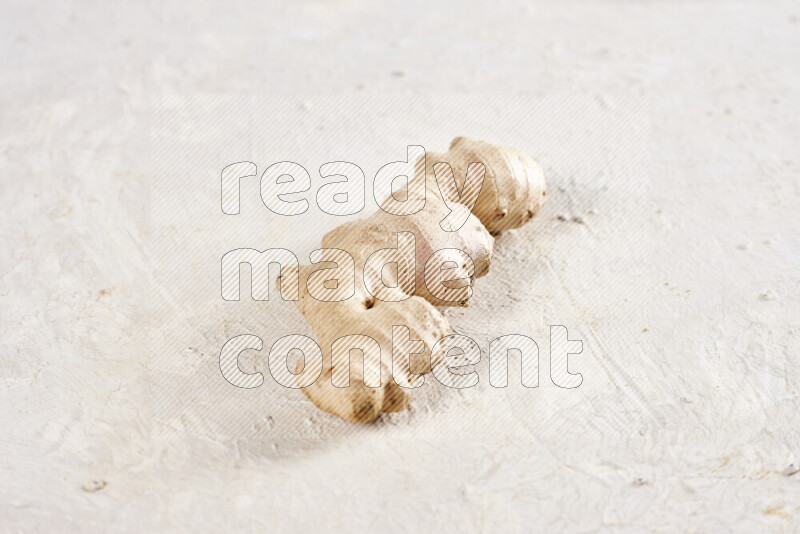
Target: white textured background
<point>671,128</point>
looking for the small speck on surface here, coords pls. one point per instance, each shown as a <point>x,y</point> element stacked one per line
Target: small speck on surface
<point>94,485</point>
<point>776,511</point>
<point>790,470</point>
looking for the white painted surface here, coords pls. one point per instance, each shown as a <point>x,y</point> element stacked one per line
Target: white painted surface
<point>670,128</point>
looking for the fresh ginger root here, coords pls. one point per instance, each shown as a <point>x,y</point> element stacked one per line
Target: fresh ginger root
<point>513,190</point>
<point>512,194</point>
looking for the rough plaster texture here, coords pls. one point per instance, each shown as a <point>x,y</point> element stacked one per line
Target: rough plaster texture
<point>669,245</point>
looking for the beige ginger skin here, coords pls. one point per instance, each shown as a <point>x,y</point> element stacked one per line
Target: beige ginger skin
<point>513,192</point>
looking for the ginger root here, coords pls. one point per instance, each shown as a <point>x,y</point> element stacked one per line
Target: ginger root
<point>513,190</point>
<point>406,316</point>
